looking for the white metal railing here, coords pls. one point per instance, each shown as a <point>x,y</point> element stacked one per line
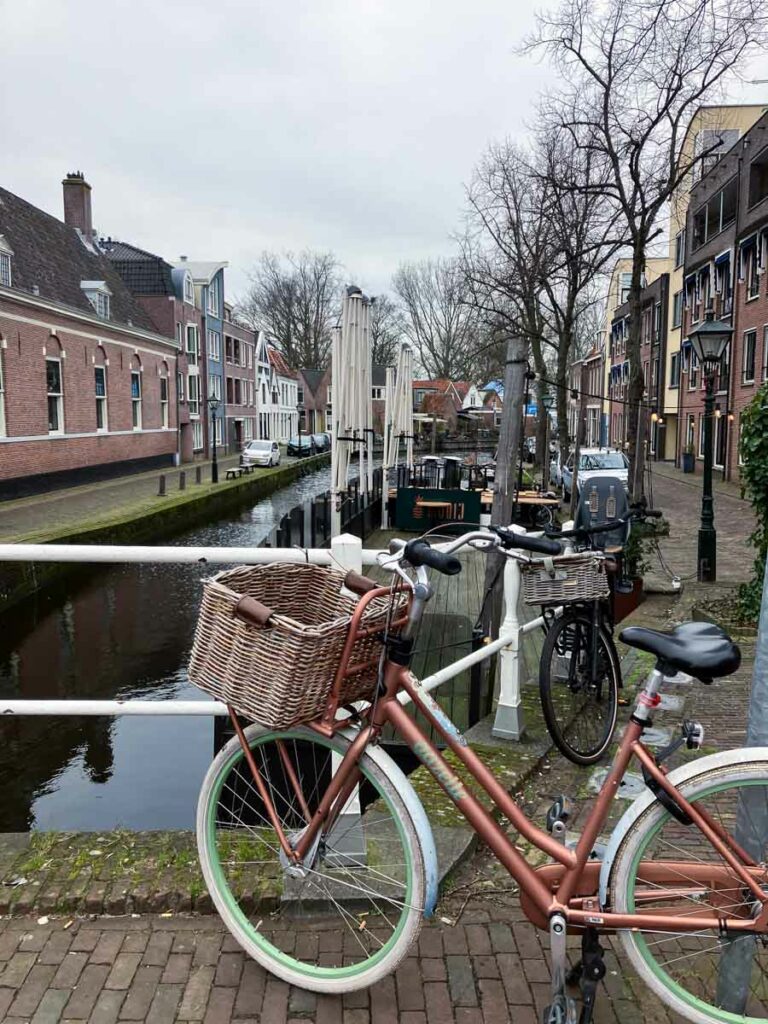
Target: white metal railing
<point>346,551</point>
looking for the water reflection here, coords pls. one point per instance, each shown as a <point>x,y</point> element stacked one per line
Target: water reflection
<point>120,632</point>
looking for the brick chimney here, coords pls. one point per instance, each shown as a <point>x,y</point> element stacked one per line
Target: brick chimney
<point>77,203</point>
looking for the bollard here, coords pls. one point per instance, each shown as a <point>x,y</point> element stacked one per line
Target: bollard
<point>182,481</point>
<point>161,487</point>
<point>198,474</point>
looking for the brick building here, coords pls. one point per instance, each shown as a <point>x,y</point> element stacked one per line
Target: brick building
<point>87,382</point>
<point>727,254</point>
<point>654,300</point>
<point>168,296</point>
<point>241,397</point>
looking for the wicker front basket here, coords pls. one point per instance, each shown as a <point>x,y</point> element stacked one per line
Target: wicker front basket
<point>564,579</point>
<point>281,674</point>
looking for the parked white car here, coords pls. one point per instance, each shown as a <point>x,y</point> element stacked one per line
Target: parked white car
<point>261,453</point>
<point>593,462</point>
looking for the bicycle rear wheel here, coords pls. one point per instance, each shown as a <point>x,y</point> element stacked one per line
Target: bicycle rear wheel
<point>580,707</point>
<point>349,915</point>
<point>709,976</point>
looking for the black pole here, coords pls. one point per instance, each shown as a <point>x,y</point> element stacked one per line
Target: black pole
<point>214,463</point>
<point>707,555</point>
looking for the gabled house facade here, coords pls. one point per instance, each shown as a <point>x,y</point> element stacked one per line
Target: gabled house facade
<point>284,411</point>
<point>88,384</point>
<point>241,397</point>
<point>208,280</point>
<point>168,296</point>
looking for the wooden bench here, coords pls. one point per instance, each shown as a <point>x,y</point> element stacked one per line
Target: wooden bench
<point>245,468</point>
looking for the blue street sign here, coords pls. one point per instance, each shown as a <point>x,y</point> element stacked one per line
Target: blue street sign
<point>531,410</point>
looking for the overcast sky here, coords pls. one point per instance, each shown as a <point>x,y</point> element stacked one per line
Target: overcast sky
<point>218,129</point>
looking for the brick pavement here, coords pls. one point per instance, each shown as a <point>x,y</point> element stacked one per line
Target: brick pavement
<point>478,961</point>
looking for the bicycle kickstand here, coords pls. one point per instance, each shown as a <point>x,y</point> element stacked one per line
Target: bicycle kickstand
<point>562,1009</point>
<point>592,971</point>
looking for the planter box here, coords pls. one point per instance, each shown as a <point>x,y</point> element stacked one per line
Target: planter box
<point>625,604</point>
<point>689,462</point>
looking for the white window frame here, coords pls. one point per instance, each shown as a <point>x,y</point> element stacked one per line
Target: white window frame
<point>377,394</point>
<point>99,297</point>
<point>101,401</point>
<point>5,269</point>
<point>164,402</point>
<point>219,431</point>
<point>674,362</point>
<point>192,344</point>
<point>136,403</point>
<point>58,396</point>
<point>214,345</point>
<point>752,333</point>
<point>215,386</point>
<point>189,289</point>
<point>193,395</point>
<point>214,299</point>
<point>765,352</point>
<point>180,386</point>
<point>197,435</point>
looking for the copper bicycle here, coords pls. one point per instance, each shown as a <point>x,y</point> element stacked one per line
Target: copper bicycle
<point>320,858</point>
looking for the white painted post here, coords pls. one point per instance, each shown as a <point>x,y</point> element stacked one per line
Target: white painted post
<point>347,836</point>
<point>508,723</point>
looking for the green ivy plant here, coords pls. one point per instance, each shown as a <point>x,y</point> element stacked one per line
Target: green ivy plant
<point>754,485</point>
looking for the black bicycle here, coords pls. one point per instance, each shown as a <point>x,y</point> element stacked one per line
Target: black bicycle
<point>579,670</point>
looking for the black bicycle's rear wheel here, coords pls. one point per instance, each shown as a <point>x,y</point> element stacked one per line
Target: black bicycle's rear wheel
<point>580,705</point>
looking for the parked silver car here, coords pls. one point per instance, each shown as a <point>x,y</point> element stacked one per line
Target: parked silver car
<point>261,453</point>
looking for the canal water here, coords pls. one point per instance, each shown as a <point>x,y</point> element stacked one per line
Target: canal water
<point>120,632</point>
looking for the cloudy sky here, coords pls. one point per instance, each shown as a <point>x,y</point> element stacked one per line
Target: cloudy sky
<point>218,129</point>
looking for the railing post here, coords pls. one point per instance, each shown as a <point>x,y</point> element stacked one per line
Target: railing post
<point>508,723</point>
<point>161,486</point>
<point>198,474</point>
<point>182,480</point>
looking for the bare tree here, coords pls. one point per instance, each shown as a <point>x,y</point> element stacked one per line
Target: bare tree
<point>533,247</point>
<point>295,299</point>
<point>387,330</point>
<point>440,320</point>
<point>634,72</point>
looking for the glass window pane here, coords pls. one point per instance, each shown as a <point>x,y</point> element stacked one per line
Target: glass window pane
<point>53,376</point>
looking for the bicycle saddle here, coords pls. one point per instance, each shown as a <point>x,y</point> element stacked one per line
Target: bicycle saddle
<point>701,649</point>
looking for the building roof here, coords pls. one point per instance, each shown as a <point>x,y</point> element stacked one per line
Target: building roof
<point>378,376</point>
<point>51,257</point>
<point>201,270</point>
<point>143,272</point>
<point>277,359</point>
<point>313,379</point>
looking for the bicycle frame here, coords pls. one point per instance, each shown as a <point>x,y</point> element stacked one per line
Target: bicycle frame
<point>568,887</point>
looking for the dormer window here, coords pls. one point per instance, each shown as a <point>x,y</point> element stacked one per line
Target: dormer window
<point>189,290</point>
<point>5,263</point>
<point>214,297</point>
<point>98,295</point>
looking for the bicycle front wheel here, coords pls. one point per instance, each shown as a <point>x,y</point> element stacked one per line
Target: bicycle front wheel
<point>668,868</point>
<point>350,913</point>
<point>579,692</point>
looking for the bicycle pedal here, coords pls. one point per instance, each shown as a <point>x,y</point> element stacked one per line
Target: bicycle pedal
<point>561,1011</point>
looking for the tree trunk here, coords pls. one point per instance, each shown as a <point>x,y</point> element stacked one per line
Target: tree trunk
<point>562,394</point>
<point>506,476</point>
<point>635,419</point>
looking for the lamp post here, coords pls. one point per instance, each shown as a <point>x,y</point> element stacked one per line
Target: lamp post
<point>709,341</point>
<point>213,405</point>
<point>547,402</point>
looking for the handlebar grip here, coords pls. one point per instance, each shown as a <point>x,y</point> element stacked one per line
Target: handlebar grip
<point>653,513</point>
<point>540,545</point>
<point>418,552</point>
<point>359,584</point>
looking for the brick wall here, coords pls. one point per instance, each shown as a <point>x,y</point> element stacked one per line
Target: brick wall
<point>29,335</point>
<point>751,315</point>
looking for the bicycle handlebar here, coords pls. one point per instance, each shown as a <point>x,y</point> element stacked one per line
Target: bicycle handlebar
<point>613,524</point>
<point>419,552</point>
<point>541,545</point>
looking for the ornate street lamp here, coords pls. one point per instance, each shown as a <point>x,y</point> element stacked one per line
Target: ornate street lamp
<point>213,406</point>
<point>547,402</point>
<point>709,341</point>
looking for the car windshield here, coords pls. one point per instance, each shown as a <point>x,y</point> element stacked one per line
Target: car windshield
<point>259,446</point>
<point>603,460</point>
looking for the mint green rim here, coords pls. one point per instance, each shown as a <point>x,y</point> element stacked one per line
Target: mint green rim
<point>225,892</point>
<point>683,994</point>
